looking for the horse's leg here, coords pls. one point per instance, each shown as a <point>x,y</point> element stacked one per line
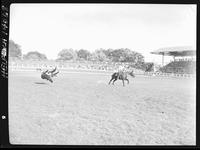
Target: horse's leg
<point>110,80</point>
<point>123,81</point>
<point>114,81</point>
<point>127,81</point>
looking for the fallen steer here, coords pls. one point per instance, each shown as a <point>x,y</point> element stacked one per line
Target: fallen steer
<point>44,75</point>
<point>49,74</point>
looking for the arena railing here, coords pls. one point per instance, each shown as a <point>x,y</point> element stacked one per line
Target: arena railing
<point>170,74</point>
<point>20,65</point>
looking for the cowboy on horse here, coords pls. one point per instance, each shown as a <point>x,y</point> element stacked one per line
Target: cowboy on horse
<point>121,74</point>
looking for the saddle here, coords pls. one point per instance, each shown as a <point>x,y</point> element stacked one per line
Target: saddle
<point>119,74</point>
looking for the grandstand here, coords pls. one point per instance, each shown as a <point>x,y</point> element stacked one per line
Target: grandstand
<point>185,64</point>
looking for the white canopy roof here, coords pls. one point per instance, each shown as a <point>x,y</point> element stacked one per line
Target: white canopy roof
<point>176,51</point>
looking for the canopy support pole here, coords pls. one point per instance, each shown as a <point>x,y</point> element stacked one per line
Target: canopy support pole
<point>162,59</point>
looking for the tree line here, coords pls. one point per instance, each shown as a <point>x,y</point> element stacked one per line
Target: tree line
<point>123,55</point>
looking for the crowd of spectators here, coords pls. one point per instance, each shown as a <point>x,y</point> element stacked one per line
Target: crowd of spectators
<point>180,67</point>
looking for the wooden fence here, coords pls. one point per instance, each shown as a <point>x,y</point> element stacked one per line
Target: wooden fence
<point>85,66</point>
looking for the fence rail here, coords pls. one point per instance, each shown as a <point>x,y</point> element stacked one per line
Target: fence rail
<point>169,74</point>
<point>89,67</point>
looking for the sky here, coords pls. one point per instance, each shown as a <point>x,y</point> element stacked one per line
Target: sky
<point>49,28</point>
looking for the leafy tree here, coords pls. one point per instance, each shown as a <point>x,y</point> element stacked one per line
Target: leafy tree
<point>118,55</point>
<point>83,54</point>
<point>67,54</point>
<point>98,55</point>
<point>106,51</point>
<point>14,50</point>
<point>34,55</point>
<point>93,57</point>
<point>125,55</point>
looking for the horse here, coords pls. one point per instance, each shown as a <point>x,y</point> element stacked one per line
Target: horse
<point>121,76</point>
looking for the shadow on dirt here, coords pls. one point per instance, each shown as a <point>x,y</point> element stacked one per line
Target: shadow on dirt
<point>40,83</point>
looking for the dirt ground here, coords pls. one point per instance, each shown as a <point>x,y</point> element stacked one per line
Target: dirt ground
<point>82,109</point>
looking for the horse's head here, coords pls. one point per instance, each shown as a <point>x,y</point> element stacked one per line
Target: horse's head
<point>132,74</point>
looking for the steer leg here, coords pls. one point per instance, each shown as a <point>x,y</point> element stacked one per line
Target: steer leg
<point>123,82</point>
<point>50,80</point>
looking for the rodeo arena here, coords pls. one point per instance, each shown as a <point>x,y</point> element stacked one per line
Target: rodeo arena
<point>104,103</point>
